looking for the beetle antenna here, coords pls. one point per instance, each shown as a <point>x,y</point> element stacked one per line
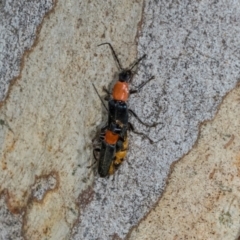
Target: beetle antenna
<point>137,62</point>
<point>114,54</point>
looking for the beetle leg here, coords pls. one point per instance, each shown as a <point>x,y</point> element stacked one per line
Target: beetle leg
<point>136,116</point>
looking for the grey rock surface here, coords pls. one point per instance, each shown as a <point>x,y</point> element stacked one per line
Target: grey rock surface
<point>19,21</point>
<point>193,50</point>
<point>10,224</point>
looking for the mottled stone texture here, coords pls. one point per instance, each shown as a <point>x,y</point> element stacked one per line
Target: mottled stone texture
<point>201,200</point>
<point>19,21</point>
<point>10,224</point>
<point>192,50</point>
<point>52,112</point>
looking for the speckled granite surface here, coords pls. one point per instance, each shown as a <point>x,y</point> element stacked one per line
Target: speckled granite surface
<point>52,113</point>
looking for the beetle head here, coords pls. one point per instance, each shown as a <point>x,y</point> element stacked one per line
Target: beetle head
<point>125,76</point>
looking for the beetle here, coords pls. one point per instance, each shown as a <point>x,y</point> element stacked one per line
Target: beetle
<point>114,140</point>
